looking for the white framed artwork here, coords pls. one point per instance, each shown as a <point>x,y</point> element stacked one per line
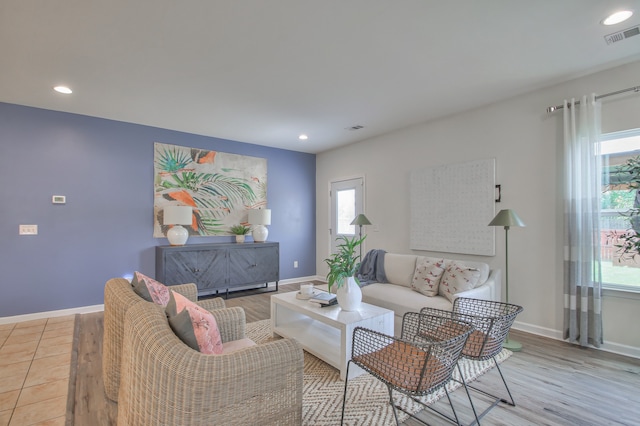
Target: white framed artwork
<point>451,207</point>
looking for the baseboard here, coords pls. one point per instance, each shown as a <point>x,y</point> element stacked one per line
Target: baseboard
<point>52,314</point>
<point>620,349</point>
<point>617,348</point>
<point>537,330</point>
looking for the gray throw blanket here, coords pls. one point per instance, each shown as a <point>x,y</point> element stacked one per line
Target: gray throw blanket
<point>372,268</point>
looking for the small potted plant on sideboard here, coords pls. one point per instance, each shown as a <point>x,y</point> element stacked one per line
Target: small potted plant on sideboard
<point>240,231</point>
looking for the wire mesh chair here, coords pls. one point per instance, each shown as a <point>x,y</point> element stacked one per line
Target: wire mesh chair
<point>491,321</point>
<point>415,364</point>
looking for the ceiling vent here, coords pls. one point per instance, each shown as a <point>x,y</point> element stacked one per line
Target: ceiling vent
<point>621,35</point>
<point>358,127</point>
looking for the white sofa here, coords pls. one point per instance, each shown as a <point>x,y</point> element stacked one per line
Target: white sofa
<point>396,294</point>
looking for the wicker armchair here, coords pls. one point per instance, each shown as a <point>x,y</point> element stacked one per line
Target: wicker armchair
<point>492,321</point>
<point>118,298</point>
<point>415,364</point>
<point>164,382</point>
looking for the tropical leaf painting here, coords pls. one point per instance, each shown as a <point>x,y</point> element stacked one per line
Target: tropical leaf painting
<point>220,187</point>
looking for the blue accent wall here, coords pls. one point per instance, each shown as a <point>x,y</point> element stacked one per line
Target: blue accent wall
<point>105,230</point>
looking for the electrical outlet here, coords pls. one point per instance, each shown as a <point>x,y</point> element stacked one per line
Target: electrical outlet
<point>28,230</point>
<point>295,263</point>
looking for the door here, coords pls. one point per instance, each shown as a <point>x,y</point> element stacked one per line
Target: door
<point>346,203</point>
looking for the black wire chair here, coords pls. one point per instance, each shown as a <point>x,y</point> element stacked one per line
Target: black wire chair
<point>415,364</point>
<point>491,321</point>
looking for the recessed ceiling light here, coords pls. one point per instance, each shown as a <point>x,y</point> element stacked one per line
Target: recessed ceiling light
<point>303,137</point>
<point>63,89</point>
<point>616,18</point>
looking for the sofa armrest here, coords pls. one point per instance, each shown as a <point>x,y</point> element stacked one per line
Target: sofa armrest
<point>211,304</point>
<point>190,290</point>
<point>166,382</point>
<point>490,290</point>
<point>231,323</point>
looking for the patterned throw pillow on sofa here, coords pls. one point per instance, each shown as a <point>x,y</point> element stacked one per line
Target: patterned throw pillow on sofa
<point>150,289</point>
<point>457,278</point>
<point>194,325</point>
<point>426,278</point>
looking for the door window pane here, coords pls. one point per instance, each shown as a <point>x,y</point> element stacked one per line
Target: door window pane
<point>346,210</point>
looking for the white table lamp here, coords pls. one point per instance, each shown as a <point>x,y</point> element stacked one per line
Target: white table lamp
<point>175,216</point>
<point>259,218</point>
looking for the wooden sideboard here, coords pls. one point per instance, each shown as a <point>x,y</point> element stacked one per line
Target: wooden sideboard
<point>219,267</point>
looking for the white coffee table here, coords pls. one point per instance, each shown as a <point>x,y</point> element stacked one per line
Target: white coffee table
<point>326,332</point>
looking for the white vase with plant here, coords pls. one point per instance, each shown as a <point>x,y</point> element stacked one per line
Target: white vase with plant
<point>343,266</point>
<point>240,231</point>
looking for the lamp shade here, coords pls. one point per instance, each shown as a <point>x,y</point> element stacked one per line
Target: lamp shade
<point>260,217</point>
<point>506,217</point>
<point>360,220</point>
<point>177,215</point>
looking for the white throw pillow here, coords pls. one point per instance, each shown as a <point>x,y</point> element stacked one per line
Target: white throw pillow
<point>458,277</point>
<point>426,278</point>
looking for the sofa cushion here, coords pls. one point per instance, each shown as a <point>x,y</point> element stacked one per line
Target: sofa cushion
<point>399,268</point>
<point>426,278</point>
<point>236,345</point>
<point>483,267</point>
<point>401,299</point>
<point>194,325</point>
<point>458,277</point>
<point>150,289</point>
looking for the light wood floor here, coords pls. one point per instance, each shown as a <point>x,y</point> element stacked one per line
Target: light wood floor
<point>553,383</point>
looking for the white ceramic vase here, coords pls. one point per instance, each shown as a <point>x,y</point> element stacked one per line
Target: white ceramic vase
<point>349,295</point>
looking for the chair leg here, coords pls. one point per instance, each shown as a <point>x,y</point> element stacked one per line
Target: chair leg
<point>455,415</point>
<point>497,400</point>
<point>393,405</point>
<point>344,396</point>
<point>473,407</point>
<point>512,402</point>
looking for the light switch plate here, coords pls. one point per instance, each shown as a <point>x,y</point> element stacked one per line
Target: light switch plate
<point>28,230</point>
<point>58,199</point>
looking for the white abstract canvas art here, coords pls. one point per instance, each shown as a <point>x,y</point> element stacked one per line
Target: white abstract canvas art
<point>451,207</point>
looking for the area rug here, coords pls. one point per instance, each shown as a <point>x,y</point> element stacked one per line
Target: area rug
<point>367,398</point>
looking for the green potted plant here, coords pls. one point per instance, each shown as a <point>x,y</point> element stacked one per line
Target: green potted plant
<point>240,231</point>
<point>343,266</point>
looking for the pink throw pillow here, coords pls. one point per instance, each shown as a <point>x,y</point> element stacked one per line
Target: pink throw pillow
<point>150,289</point>
<point>194,325</point>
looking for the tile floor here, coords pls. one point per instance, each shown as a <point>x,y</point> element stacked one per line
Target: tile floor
<point>35,357</point>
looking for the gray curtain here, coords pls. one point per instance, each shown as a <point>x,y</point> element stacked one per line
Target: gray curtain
<point>582,274</point>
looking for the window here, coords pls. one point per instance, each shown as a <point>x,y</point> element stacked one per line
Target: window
<point>620,271</point>
<point>346,203</point>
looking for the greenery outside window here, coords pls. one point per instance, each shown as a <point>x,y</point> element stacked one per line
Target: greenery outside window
<point>620,197</point>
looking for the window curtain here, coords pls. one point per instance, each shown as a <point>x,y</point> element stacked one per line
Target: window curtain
<point>582,274</point>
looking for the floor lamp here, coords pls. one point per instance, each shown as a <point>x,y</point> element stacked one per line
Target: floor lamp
<point>360,220</point>
<point>507,218</point>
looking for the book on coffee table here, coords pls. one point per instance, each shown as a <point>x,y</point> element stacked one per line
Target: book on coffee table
<point>324,299</point>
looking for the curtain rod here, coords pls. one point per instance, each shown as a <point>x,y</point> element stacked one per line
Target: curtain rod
<point>630,89</point>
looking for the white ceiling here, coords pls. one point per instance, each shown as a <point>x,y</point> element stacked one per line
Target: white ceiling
<point>263,71</point>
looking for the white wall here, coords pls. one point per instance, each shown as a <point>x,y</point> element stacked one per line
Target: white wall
<point>527,144</point>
